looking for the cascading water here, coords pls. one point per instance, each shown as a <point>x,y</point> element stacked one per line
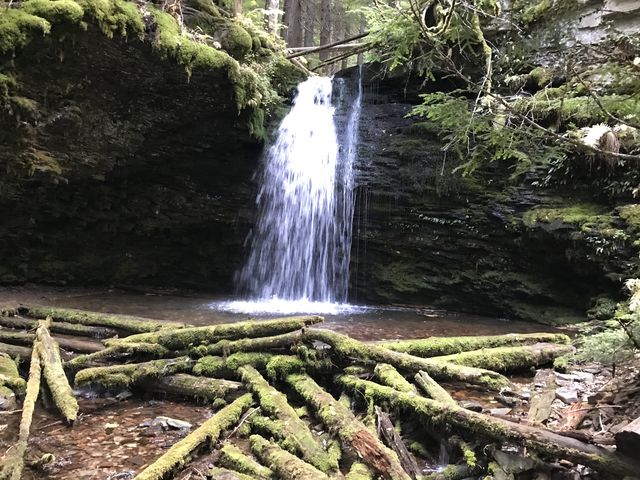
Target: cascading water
<point>300,247</point>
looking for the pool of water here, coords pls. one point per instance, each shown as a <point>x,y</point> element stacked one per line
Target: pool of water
<point>362,322</point>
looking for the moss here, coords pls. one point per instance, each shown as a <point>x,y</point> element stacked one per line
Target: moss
<point>435,346</point>
<point>282,462</point>
<point>631,215</point>
<point>210,366</point>
<point>185,385</point>
<point>359,471</point>
<point>55,11</point>
<point>120,322</point>
<point>603,308</point>
<point>218,473</point>
<point>125,375</point>
<point>276,404</point>
<point>188,337</point>
<point>575,214</point>
<point>208,433</point>
<point>534,12</point>
<point>541,76</point>
<point>388,375</point>
<point>227,347</point>
<point>237,40</point>
<point>233,458</point>
<point>562,363</point>
<point>7,83</point>
<point>115,17</point>
<point>18,27</point>
<point>402,277</point>
<point>124,350</point>
<point>9,376</point>
<point>273,429</point>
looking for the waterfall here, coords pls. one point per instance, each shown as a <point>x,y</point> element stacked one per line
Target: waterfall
<point>300,247</point>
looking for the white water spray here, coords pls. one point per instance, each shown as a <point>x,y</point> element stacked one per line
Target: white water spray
<point>300,247</point>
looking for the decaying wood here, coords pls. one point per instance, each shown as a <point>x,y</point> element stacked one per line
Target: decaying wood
<point>391,436</point>
<point>296,431</point>
<point>359,471</point>
<point>509,359</point>
<point>208,433</point>
<point>542,441</point>
<point>349,348</point>
<point>59,327</point>
<point>232,457</point>
<point>286,465</point>
<point>540,402</point>
<point>54,374</point>
<point>185,385</point>
<point>118,352</point>
<point>628,438</point>
<point>125,323</point>
<point>433,389</point>
<point>10,382</point>
<point>13,465</point>
<point>388,375</point>
<point>351,431</point>
<point>70,344</point>
<point>259,344</point>
<point>16,351</point>
<point>218,473</point>
<point>186,337</point>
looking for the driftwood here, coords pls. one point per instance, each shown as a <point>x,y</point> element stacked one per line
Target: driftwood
<point>54,375</point>
<point>393,439</point>
<point>539,440</point>
<point>13,465</point>
<point>208,433</point>
<point>351,431</point>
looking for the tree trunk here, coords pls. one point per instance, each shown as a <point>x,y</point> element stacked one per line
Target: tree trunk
<point>185,385</point>
<point>351,431</point>
<point>70,344</point>
<point>325,26</point>
<point>433,389</point>
<point>393,439</point>
<point>119,352</point>
<point>293,21</point>
<point>233,458</point>
<point>544,442</point>
<point>15,351</point>
<point>286,465</point>
<point>389,376</point>
<point>310,18</point>
<point>237,7</point>
<point>59,327</point>
<point>272,7</point>
<point>208,433</point>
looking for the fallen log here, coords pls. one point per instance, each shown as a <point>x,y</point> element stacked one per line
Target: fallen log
<point>276,404</point>
<point>433,389</point>
<point>217,473</point>
<point>359,471</point>
<point>71,344</point>
<point>54,374</point>
<point>185,385</point>
<point>340,420</point>
<point>274,429</point>
<point>391,436</point>
<point>59,327</point>
<point>508,359</point>
<point>349,348</point>
<point>628,438</point>
<point>388,375</point>
<point>207,433</point>
<point>545,442</point>
<point>118,352</point>
<point>232,457</point>
<point>228,367</point>
<point>453,472</point>
<point>177,339</point>
<point>13,465</point>
<point>15,351</point>
<point>125,323</point>
<point>128,374</point>
<point>286,465</point>
<point>227,347</point>
<point>10,383</point>
<point>437,346</point>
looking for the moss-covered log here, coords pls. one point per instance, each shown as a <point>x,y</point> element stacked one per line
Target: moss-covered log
<point>185,385</point>
<point>70,344</point>
<point>125,375</point>
<point>218,473</point>
<point>59,327</point>
<point>233,458</point>
<point>340,420</point>
<point>433,389</point>
<point>283,463</point>
<point>10,382</point>
<point>54,374</point>
<point>228,367</point>
<point>13,465</point>
<point>359,471</point>
<point>437,346</point>
<point>207,433</point>
<point>126,323</point>
<point>273,429</point>
<point>194,336</point>
<point>451,472</point>
<point>544,442</point>
<point>15,351</point>
<point>260,344</point>
<point>276,404</point>
<point>392,437</point>
<point>388,375</point>
<point>349,348</point>
<point>118,352</point>
<point>509,359</point>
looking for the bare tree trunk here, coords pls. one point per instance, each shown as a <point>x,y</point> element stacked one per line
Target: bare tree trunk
<point>325,26</point>
<point>237,7</point>
<point>309,17</point>
<point>293,21</point>
<point>272,7</point>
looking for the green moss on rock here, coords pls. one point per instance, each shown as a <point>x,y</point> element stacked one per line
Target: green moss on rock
<point>115,17</point>
<point>18,27</point>
<point>55,11</point>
